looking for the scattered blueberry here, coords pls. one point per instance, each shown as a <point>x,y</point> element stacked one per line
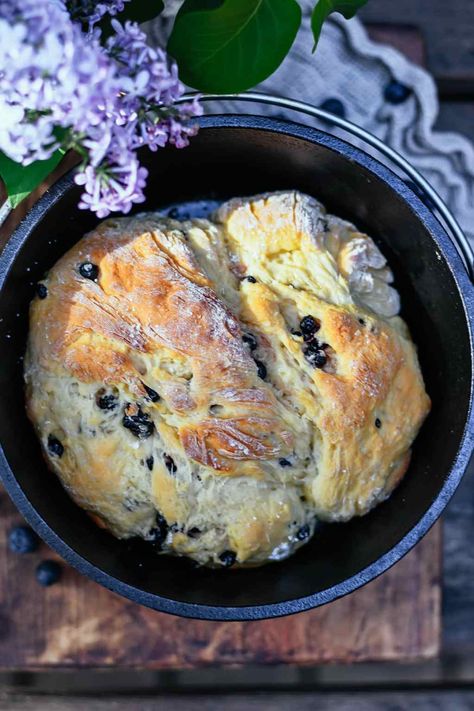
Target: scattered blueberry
<point>170,465</point>
<point>194,532</point>
<point>228,558</point>
<point>250,341</point>
<point>106,402</point>
<point>309,325</point>
<point>378,423</point>
<point>22,539</point>
<point>334,106</point>
<point>396,93</point>
<point>261,369</point>
<point>48,572</point>
<point>160,531</point>
<point>315,357</point>
<point>41,291</point>
<point>313,346</point>
<point>55,447</point>
<point>285,463</point>
<point>89,271</point>
<point>139,424</point>
<point>152,394</point>
<point>303,533</point>
<point>150,462</point>
<point>251,279</point>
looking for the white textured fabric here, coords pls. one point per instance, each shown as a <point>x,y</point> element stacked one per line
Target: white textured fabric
<point>349,66</point>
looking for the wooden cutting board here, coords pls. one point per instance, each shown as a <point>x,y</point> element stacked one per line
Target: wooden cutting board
<point>76,623</point>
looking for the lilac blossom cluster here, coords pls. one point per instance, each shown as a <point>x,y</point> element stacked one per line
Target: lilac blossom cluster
<point>60,87</point>
<point>90,12</point>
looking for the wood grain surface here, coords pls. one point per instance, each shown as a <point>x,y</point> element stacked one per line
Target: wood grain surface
<point>414,700</point>
<point>447,28</point>
<point>77,623</point>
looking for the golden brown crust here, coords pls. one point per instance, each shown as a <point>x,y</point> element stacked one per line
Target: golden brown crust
<point>146,299</point>
<point>231,460</point>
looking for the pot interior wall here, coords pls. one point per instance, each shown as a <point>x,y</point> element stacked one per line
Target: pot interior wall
<point>223,162</point>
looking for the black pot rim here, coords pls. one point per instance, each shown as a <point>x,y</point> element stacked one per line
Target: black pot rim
<point>212,612</point>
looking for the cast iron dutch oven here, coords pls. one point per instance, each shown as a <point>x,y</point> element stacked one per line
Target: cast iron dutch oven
<point>244,155</point>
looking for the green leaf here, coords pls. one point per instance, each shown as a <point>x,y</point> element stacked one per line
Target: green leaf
<point>134,10</point>
<point>231,45</point>
<point>324,8</point>
<point>21,180</point>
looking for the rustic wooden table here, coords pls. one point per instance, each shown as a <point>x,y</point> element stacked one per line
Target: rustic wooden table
<point>421,609</point>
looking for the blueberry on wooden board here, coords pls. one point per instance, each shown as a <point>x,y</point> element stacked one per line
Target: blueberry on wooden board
<point>228,558</point>
<point>396,93</point>
<point>261,369</point>
<point>48,572</point>
<point>54,446</point>
<point>159,532</point>
<point>303,533</point>
<point>170,464</point>
<point>139,423</point>
<point>22,539</point>
<point>152,394</point>
<point>89,271</point>
<point>309,325</point>
<point>250,341</point>
<point>41,291</point>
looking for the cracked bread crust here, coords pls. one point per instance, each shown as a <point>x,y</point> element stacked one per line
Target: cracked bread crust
<point>151,378</point>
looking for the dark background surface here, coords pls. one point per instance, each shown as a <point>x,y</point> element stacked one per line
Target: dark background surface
<point>447,29</point>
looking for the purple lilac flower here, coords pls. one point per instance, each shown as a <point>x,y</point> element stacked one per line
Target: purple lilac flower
<point>53,75</point>
<point>91,12</point>
<point>108,100</point>
<point>113,187</point>
<point>152,86</point>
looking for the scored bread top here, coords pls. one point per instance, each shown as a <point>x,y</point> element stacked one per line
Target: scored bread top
<point>190,407</point>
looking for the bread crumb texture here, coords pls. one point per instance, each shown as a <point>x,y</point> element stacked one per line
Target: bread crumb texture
<point>218,386</point>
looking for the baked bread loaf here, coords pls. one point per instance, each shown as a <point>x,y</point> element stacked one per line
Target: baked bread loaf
<point>216,387</point>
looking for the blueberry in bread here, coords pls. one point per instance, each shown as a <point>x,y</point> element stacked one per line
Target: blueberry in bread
<point>217,386</point>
